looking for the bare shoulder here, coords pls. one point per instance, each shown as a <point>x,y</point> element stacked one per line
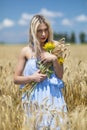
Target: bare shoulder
<point>25,52</point>
<point>24,49</point>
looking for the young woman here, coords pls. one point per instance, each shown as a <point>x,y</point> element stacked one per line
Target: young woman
<point>27,71</point>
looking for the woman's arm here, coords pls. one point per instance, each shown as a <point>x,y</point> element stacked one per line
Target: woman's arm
<point>18,75</point>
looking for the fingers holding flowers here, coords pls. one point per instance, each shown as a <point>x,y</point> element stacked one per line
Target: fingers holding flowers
<point>38,76</point>
<point>47,57</point>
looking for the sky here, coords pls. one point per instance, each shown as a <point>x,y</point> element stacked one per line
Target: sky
<point>65,16</point>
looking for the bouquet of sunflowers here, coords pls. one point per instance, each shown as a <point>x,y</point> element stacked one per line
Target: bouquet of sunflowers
<point>60,49</point>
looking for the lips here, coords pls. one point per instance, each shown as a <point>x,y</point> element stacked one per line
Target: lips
<point>43,38</point>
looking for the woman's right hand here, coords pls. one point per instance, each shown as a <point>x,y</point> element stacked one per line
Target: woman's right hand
<point>38,77</point>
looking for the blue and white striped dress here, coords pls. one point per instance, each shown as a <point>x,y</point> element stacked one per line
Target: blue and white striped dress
<point>48,90</point>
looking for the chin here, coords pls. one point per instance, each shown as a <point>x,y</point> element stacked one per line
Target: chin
<point>43,41</point>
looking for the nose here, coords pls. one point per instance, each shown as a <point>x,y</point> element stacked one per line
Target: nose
<point>43,33</point>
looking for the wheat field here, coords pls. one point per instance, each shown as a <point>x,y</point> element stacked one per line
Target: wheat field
<point>75,90</point>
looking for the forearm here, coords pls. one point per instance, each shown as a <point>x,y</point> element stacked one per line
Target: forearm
<point>58,68</point>
<point>23,79</point>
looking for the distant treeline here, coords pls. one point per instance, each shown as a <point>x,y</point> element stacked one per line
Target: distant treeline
<point>71,37</point>
<point>1,42</point>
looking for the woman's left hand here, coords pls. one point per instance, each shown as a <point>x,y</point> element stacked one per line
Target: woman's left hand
<point>47,57</point>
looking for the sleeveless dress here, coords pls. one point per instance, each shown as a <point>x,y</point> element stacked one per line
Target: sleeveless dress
<point>47,97</point>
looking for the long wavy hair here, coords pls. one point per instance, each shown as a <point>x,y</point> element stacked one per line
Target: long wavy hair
<point>35,22</point>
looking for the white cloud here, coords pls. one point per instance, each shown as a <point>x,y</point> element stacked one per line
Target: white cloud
<point>66,22</point>
<point>81,18</point>
<point>6,23</point>
<point>24,20</point>
<point>25,17</point>
<point>50,13</point>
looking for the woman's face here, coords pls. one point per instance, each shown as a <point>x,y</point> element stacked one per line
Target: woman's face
<point>42,33</point>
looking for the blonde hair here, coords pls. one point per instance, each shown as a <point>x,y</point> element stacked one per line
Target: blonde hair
<point>35,22</point>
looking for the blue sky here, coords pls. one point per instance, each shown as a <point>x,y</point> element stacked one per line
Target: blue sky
<point>65,16</point>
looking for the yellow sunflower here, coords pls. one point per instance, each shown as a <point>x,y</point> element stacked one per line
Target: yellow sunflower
<point>49,46</point>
